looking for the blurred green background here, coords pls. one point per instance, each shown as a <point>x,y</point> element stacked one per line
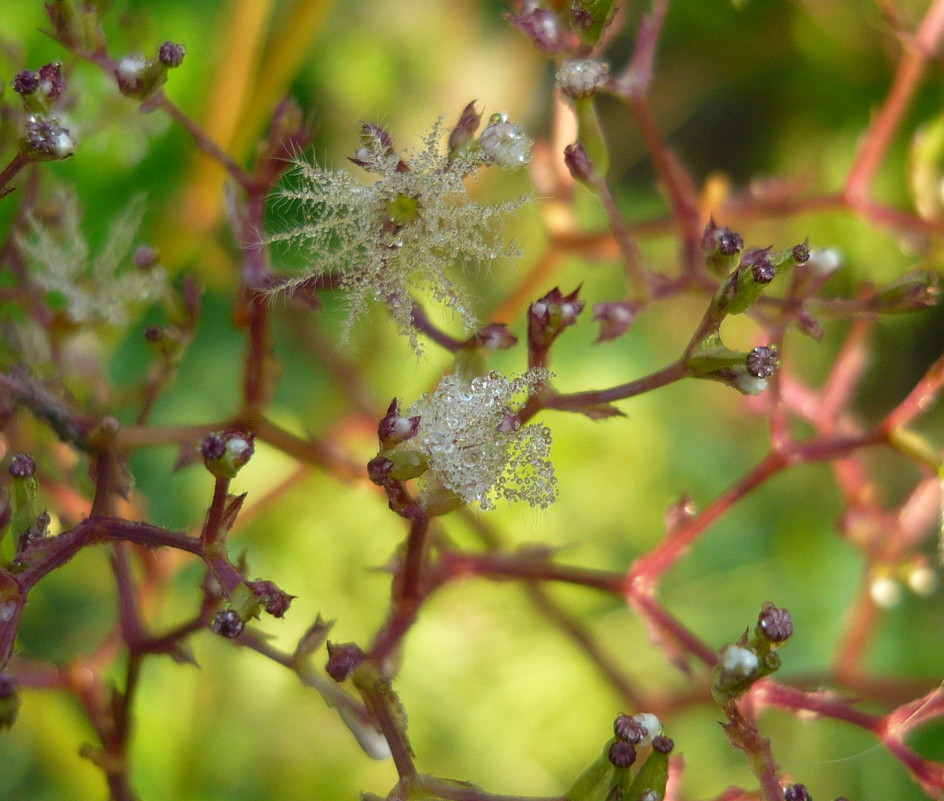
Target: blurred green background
<point>494,693</point>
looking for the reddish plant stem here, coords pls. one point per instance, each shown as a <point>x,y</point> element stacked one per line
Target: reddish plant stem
<point>647,569</point>
<point>743,734</point>
<point>203,141</point>
<point>636,274</point>
<point>885,123</point>
<point>575,401</point>
<point>8,173</point>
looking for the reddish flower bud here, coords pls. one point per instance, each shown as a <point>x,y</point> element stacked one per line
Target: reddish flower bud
<point>171,54</point>
<point>578,162</point>
<point>622,754</point>
<point>343,658</point>
<point>22,466</point>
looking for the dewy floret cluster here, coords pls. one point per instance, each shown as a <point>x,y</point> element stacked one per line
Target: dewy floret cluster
<point>416,221</point>
<point>474,446</point>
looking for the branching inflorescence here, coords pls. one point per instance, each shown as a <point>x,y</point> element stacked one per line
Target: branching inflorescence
<point>476,437</point>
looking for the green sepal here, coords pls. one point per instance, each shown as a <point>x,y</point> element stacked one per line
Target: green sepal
<point>407,463</point>
<point>601,12</point>
<point>245,602</point>
<point>600,781</point>
<point>712,355</point>
<point>590,135</point>
<point>739,292</point>
<point>651,777</point>
<point>23,505</point>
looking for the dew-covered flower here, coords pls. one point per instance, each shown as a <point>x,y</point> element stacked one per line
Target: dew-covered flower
<point>475,446</point>
<point>105,288</point>
<point>405,231</point>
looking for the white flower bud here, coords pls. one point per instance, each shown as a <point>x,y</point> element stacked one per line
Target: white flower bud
<point>582,78</point>
<point>651,724</point>
<point>738,661</point>
<point>506,143</point>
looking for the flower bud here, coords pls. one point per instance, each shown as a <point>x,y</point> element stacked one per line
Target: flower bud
<point>226,452</point>
<point>762,361</point>
<point>171,55</point>
<point>274,600</point>
<point>579,163</point>
<point>615,318</point>
<point>542,27</point>
<point>25,82</point>
<point>464,130</point>
<point>379,469</point>
<point>343,659</point>
<point>22,465</point>
<point>550,315</point>
<point>227,623</point>
<point>885,592</point>
<point>46,139</point>
<point>394,428</point>
<point>796,792</point>
<point>774,624</point>
<point>663,744</point>
<point>622,754</point>
<point>582,78</point>
<point>651,724</point>
<point>495,336</point>
<point>722,248</point>
<point>506,143</point>
<point>376,147</point>
<point>628,728</point>
<point>140,77</point>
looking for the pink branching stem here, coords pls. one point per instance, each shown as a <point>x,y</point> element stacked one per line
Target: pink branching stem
<point>8,173</point>
<point>919,400</point>
<point>647,569</point>
<point>917,52</point>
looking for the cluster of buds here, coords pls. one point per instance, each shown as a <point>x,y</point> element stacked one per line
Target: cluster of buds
<point>501,142</point>
<point>610,775</point>
<point>248,601</point>
<point>141,77</point>
<point>46,137</point>
<point>563,28</point>
<point>751,658</point>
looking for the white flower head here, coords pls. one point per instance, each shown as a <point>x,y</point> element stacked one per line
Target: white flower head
<point>99,289</point>
<point>475,449</point>
<point>404,232</point>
